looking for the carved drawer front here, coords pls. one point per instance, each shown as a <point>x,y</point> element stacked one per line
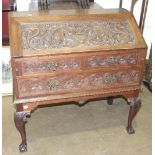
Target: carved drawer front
<point>72,62</point>
<point>29,87</point>
<point>46,64</point>
<point>113,59</point>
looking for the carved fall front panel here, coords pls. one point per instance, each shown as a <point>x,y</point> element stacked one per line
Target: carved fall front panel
<point>36,86</point>
<point>72,34</point>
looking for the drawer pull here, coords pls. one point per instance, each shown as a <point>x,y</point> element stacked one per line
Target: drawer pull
<point>112,61</point>
<point>53,85</point>
<point>110,78</point>
<point>52,66</point>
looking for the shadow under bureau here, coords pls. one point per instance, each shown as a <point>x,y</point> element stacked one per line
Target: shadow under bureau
<point>65,56</point>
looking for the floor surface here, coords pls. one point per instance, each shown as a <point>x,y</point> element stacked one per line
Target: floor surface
<point>93,129</point>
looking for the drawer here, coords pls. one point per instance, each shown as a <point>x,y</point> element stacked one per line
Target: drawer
<point>73,83</point>
<point>112,60</point>
<point>46,64</point>
<point>76,62</point>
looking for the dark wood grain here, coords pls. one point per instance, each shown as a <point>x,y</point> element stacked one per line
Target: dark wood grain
<point>135,105</point>
<point>20,120</point>
<point>103,59</point>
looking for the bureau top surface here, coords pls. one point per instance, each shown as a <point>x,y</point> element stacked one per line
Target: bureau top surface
<point>76,30</point>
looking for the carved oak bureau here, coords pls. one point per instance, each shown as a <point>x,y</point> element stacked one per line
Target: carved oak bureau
<point>63,56</point>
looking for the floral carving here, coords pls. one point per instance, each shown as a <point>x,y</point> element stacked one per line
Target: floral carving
<point>69,64</point>
<point>106,61</point>
<point>51,35</point>
<point>37,86</point>
<point>50,65</point>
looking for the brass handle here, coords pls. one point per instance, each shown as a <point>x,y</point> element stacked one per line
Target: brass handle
<point>110,78</point>
<point>112,61</point>
<point>53,85</point>
<point>52,66</point>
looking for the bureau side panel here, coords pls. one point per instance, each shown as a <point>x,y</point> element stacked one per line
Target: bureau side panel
<point>15,37</point>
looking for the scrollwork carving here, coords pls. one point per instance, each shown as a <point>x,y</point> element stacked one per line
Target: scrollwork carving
<point>51,35</point>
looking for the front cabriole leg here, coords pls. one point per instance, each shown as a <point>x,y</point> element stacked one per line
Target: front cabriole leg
<point>20,120</point>
<point>135,104</point>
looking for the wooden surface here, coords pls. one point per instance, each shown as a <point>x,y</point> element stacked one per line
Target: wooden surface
<point>75,73</point>
<point>66,20</point>
<point>77,55</point>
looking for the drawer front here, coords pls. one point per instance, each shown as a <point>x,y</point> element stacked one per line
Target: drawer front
<point>73,62</point>
<point>46,64</point>
<point>43,86</point>
<point>114,60</point>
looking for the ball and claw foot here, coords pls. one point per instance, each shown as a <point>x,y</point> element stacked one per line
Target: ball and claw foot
<point>23,148</point>
<point>135,105</point>
<point>130,130</point>
<point>20,120</point>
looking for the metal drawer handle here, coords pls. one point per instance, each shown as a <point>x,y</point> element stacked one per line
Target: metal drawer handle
<point>53,85</point>
<point>52,66</point>
<point>112,61</point>
<point>109,79</point>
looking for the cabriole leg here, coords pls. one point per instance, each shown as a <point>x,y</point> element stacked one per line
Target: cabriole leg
<point>20,120</point>
<point>135,104</point>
